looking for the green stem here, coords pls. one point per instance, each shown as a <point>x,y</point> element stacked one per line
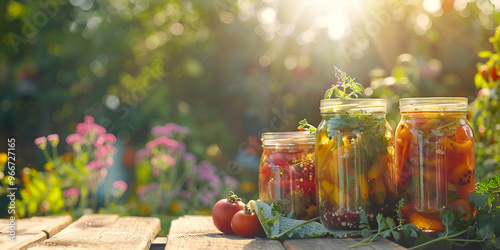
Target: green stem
<point>439,239</point>
<point>299,225</point>
<point>54,153</point>
<point>368,240</point>
<point>161,182</point>
<point>84,196</point>
<point>46,155</point>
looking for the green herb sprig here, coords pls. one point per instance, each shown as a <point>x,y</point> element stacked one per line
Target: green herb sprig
<point>345,88</point>
<point>386,227</point>
<point>305,126</point>
<point>483,230</point>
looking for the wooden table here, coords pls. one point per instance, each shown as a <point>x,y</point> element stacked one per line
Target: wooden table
<point>199,232</point>
<point>96,231</point>
<point>101,231</point>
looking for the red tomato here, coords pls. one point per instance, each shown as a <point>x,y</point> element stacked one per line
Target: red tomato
<point>245,223</point>
<point>223,212</point>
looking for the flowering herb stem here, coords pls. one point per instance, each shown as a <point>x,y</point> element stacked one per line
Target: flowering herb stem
<point>47,156</point>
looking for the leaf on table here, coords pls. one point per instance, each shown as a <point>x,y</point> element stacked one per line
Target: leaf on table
<point>275,224</point>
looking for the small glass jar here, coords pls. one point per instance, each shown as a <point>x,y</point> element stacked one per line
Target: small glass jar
<point>287,174</point>
<point>354,162</point>
<point>434,159</point>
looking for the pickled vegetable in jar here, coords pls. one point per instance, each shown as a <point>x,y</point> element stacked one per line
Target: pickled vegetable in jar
<point>434,159</point>
<point>354,162</point>
<point>287,173</point>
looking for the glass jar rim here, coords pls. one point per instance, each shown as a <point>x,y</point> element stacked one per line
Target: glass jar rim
<point>287,138</point>
<point>433,104</point>
<point>366,105</point>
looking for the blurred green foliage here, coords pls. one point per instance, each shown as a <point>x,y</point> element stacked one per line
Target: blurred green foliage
<point>228,69</point>
<point>485,115</point>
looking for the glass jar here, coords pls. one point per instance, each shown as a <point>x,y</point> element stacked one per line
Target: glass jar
<point>287,174</point>
<point>434,159</point>
<point>354,162</point>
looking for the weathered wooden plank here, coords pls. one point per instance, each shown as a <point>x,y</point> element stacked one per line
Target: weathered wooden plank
<point>99,231</point>
<point>32,230</point>
<point>199,232</point>
<point>158,243</point>
<point>335,243</point>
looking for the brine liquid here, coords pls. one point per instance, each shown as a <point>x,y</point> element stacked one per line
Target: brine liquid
<point>287,177</point>
<point>354,176</point>
<point>434,166</point>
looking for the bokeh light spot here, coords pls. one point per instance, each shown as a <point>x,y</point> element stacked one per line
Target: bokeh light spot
<point>159,19</point>
<point>267,15</point>
<point>460,5</point>
<point>290,62</point>
<point>176,29</point>
<point>15,9</point>
<point>432,6</point>
<point>152,42</point>
<point>264,61</point>
<point>226,17</point>
<point>111,101</point>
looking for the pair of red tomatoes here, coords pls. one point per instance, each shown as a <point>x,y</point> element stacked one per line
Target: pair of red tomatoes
<point>231,216</point>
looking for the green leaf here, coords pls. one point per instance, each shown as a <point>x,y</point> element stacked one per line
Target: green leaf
<point>363,221</point>
<point>366,233</point>
<point>345,88</point>
<point>480,200</point>
<point>396,235</point>
<point>381,222</point>
<point>484,54</point>
<point>390,222</point>
<point>278,226</point>
<point>494,182</point>
<point>447,218</point>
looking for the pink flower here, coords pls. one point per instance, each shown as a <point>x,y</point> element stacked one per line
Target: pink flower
<point>168,143</point>
<point>189,157</point>
<point>184,193</point>
<point>161,160</point>
<point>142,153</point>
<point>206,172</point>
<point>71,192</point>
<point>231,181</point>
<point>41,142</point>
<point>85,129</point>
<point>177,128</point>
<point>104,151</point>
<point>168,128</point>
<point>105,138</point>
<point>74,138</point>
<point>89,119</point>
<point>103,173</point>
<point>95,165</point>
<point>161,130</point>
<point>53,139</point>
<point>121,185</point>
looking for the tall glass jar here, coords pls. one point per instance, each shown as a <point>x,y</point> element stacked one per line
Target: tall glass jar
<point>354,162</point>
<point>434,159</point>
<point>287,173</point>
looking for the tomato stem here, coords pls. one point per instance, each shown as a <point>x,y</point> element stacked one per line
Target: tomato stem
<point>232,197</point>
